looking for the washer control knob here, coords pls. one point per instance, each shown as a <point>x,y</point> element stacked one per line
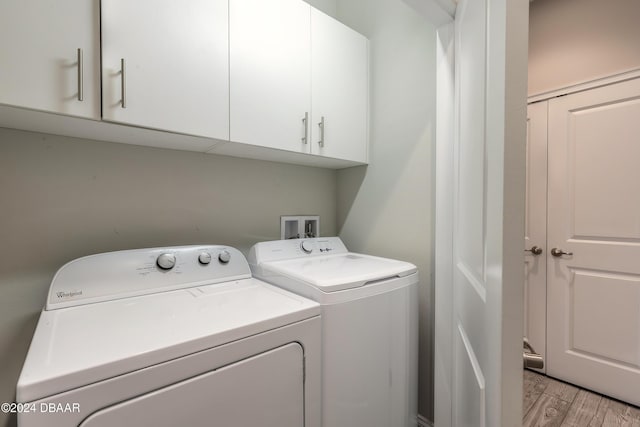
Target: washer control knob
<point>166,261</point>
<point>306,247</point>
<point>224,257</point>
<point>204,258</point>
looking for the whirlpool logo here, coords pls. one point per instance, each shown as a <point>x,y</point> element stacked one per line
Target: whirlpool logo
<point>71,294</point>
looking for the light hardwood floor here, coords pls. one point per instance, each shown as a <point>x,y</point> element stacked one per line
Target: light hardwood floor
<point>552,403</point>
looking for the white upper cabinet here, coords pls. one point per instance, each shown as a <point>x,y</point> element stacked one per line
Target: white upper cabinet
<point>274,80</point>
<point>50,56</point>
<point>299,80</point>
<point>165,65</point>
<point>339,90</point>
<point>270,72</point>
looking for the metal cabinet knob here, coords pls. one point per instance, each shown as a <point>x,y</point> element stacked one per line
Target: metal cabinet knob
<point>556,252</point>
<point>535,250</point>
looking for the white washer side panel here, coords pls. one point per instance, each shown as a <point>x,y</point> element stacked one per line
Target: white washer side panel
<point>370,360</point>
<point>264,390</point>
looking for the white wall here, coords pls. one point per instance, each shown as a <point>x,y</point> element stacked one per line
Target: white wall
<point>386,208</point>
<point>571,41</point>
<point>62,198</point>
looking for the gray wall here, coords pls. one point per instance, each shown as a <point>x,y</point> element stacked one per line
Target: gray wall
<point>62,198</point>
<point>571,41</point>
<point>327,6</point>
<point>386,208</point>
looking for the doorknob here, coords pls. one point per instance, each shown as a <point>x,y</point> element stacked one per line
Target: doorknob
<point>559,252</point>
<point>535,250</point>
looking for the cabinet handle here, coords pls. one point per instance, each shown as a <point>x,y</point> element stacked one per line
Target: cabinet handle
<point>80,75</point>
<point>123,83</point>
<point>321,126</point>
<point>306,128</point>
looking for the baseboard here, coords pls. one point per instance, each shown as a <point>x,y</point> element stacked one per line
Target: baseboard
<point>423,422</point>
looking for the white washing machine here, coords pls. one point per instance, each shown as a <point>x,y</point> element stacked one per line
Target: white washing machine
<point>369,326</point>
<point>177,336</point>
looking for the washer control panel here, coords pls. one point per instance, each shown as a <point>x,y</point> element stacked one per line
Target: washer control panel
<point>295,248</point>
<point>121,274</point>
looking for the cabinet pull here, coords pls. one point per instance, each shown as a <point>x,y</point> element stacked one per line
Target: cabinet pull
<point>306,128</point>
<point>80,75</point>
<point>123,83</point>
<point>321,126</point>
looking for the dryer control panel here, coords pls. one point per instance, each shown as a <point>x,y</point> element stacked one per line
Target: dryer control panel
<point>121,274</point>
<point>295,248</point>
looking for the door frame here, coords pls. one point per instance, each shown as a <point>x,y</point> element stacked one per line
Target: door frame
<point>509,81</point>
<point>505,118</point>
<point>585,85</point>
<point>536,194</point>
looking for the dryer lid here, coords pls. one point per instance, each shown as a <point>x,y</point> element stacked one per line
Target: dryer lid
<point>84,344</point>
<point>122,274</point>
<point>331,273</point>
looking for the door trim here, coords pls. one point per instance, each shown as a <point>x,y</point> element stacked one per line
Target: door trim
<point>586,85</point>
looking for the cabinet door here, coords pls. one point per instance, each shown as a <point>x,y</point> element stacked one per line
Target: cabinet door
<point>39,67</point>
<point>339,89</point>
<point>270,72</point>
<point>176,74</point>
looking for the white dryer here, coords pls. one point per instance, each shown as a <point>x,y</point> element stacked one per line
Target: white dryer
<point>168,337</point>
<point>369,326</point>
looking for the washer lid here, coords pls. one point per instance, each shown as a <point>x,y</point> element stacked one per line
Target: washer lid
<point>331,273</point>
<point>80,345</point>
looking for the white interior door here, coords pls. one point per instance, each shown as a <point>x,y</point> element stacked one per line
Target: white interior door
<point>487,217</point>
<point>593,325</point>
<point>535,260</point>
